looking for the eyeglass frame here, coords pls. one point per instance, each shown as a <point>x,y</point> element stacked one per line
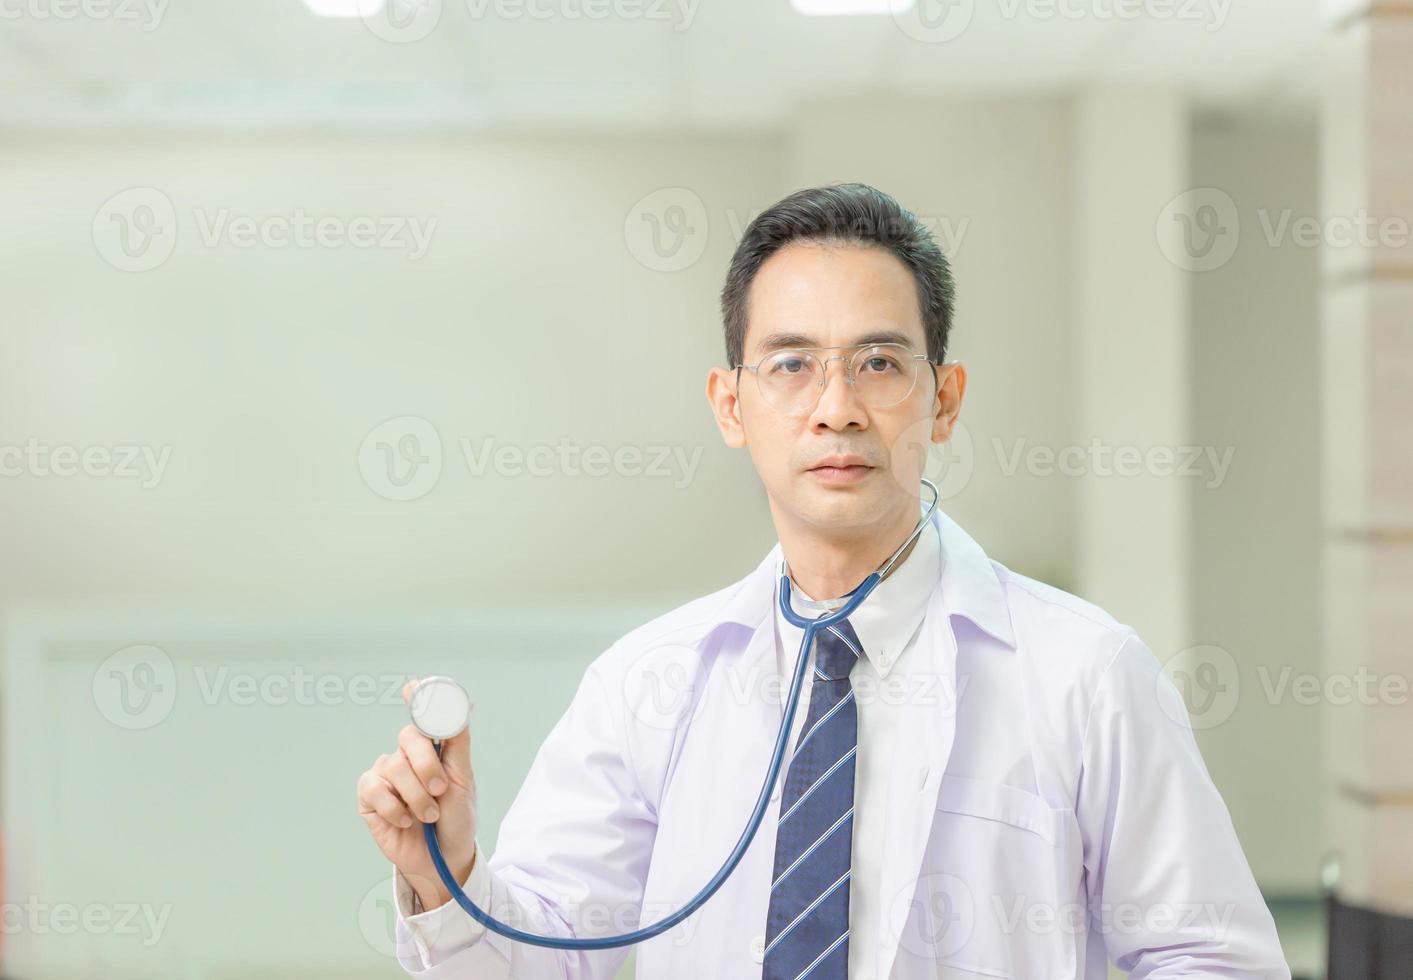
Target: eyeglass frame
<point>849,373</point>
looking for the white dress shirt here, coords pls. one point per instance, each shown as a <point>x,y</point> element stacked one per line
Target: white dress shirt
<point>887,626</point>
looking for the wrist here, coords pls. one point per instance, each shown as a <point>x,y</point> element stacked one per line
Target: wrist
<point>433,894</point>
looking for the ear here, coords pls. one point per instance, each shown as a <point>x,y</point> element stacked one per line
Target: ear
<point>725,406</point>
<point>951,388</point>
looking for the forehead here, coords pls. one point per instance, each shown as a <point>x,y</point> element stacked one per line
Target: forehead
<point>813,295</point>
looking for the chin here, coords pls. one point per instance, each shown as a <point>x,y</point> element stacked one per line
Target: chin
<point>842,507</point>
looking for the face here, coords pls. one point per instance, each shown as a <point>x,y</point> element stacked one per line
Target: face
<point>833,296</point>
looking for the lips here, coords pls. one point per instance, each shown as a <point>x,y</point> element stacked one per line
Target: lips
<point>841,462</point>
<point>841,469</point>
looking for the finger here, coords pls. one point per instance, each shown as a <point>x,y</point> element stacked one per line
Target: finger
<point>377,825</point>
<point>409,787</point>
<point>376,798</point>
<point>407,690</point>
<point>423,757</point>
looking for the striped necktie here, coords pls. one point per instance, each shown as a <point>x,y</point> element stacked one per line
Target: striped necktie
<point>807,928</point>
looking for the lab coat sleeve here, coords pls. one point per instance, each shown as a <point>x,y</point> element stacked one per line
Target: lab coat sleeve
<point>436,934</point>
<point>1169,886</point>
<point>570,860</point>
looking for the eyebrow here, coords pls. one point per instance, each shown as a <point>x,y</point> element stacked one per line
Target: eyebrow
<point>780,340</point>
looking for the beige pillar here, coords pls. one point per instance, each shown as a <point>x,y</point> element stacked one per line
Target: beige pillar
<point>1131,364</point>
<point>1366,449</point>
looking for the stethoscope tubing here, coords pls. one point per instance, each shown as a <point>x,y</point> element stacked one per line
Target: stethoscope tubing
<point>811,628</point>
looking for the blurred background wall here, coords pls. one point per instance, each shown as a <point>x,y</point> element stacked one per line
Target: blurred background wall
<point>242,463</point>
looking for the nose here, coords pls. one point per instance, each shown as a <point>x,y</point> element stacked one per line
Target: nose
<point>838,404</point>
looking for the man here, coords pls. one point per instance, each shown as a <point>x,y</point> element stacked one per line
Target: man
<point>988,777</point>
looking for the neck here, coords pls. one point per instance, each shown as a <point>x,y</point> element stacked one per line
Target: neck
<point>829,568</point>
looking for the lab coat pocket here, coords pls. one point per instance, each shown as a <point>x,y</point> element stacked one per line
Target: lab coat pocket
<point>995,897</point>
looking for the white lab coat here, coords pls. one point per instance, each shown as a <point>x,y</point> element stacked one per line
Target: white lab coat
<point>1048,807</point>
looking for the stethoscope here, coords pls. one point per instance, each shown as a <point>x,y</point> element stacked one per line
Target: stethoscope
<point>440,708</point>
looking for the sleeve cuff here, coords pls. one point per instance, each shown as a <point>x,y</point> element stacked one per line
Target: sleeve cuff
<point>439,933</point>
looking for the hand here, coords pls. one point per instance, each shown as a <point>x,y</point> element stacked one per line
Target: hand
<point>410,786</point>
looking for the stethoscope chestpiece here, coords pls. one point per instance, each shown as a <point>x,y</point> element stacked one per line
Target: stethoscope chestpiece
<point>440,708</point>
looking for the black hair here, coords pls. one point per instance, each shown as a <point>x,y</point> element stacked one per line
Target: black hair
<point>841,214</point>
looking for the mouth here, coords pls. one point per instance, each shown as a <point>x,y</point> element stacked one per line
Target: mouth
<point>841,471</point>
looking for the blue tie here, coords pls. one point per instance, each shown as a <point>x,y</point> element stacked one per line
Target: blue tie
<point>807,928</point>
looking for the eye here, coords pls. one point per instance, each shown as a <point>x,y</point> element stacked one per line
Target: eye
<point>881,363</point>
<point>789,364</point>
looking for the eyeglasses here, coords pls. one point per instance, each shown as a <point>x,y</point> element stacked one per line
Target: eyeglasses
<point>790,381</point>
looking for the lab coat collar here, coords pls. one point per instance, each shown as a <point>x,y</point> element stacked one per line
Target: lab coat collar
<point>969,584</point>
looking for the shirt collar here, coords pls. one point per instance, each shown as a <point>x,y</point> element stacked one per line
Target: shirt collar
<point>969,583</point>
<point>889,615</point>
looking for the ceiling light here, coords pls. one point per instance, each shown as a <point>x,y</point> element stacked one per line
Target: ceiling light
<point>827,8</point>
<point>344,8</point>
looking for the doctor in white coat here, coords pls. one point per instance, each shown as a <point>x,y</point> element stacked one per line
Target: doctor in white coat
<point>997,779</point>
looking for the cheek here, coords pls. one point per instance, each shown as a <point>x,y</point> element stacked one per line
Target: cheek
<point>770,446</point>
<point>773,445</point>
<point>908,441</point>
